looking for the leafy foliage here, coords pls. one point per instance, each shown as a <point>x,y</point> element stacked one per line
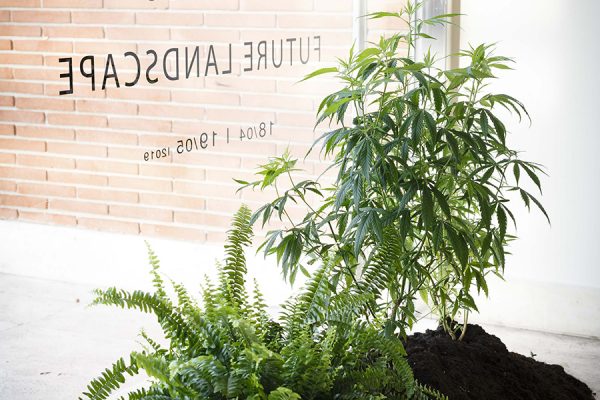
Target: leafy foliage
<point>228,348</point>
<point>420,203</point>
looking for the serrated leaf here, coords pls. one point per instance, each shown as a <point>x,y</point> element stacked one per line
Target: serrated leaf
<point>501,216</point>
<point>459,245</point>
<point>320,71</point>
<point>427,208</point>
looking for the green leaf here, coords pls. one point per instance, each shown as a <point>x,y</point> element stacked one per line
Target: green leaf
<point>441,199</point>
<point>532,176</point>
<point>427,208</point>
<point>501,216</point>
<point>320,71</point>
<point>459,245</point>
<point>417,125</point>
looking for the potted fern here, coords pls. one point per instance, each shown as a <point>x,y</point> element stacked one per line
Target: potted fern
<point>226,346</point>
<point>419,207</point>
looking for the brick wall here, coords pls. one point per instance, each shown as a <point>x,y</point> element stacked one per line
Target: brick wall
<point>78,159</point>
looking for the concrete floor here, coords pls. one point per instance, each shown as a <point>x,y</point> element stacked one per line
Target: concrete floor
<point>51,343</point>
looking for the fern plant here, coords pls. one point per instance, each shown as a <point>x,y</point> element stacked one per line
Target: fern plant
<point>226,346</point>
<point>420,203</point>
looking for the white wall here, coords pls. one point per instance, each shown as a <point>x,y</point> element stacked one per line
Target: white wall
<point>555,45</point>
<point>553,280</point>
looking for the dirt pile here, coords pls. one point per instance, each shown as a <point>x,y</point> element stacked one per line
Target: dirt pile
<point>481,368</point>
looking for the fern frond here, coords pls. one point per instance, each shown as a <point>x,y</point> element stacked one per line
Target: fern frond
<point>234,270</point>
<point>157,280</point>
<point>385,265</point>
<point>312,304</point>
<point>153,345</point>
<point>146,394</point>
<point>171,321</point>
<point>184,301</point>
<point>111,379</point>
<point>283,393</point>
<point>346,307</point>
<point>428,393</point>
<point>258,311</point>
<point>209,296</point>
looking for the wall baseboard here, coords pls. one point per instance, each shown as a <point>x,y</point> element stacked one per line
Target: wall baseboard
<point>106,259</point>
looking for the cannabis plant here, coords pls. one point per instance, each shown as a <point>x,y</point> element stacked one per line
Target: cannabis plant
<point>421,198</point>
<point>226,346</point>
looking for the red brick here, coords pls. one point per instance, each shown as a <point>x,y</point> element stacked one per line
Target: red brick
<point>127,33</point>
<point>51,46</point>
<point>32,103</point>
<point>76,149</point>
<point>71,4</point>
<point>241,20</point>
<point>106,107</point>
<point>22,173</point>
<point>313,20</point>
<point>205,35</point>
<point>8,213</point>
<point>20,30</point>
<point>103,17</point>
<point>21,144</point>
<point>109,225</point>
<point>78,120</point>
<point>202,218</point>
<point>139,124</point>
<point>20,3</point>
<point>141,213</point>
<point>22,116</point>
<point>77,178</point>
<point>21,59</point>
<point>77,206</point>
<point>21,87</point>
<point>88,32</point>
<point>280,5</point>
<point>44,132</point>
<point>107,166</point>
<point>45,161</point>
<point>37,189</point>
<point>112,137</point>
<point>205,189</point>
<point>239,115</point>
<point>41,16</point>
<point>172,200</point>
<point>131,183</point>
<point>172,111</point>
<point>7,129</point>
<point>136,4</point>
<point>172,171</point>
<point>22,201</point>
<point>47,218</point>
<point>216,236</point>
<point>7,158</point>
<point>169,18</point>
<point>139,93</point>
<point>205,4</point>
<point>119,196</point>
<point>173,232</point>
<point>205,97</point>
<point>125,153</point>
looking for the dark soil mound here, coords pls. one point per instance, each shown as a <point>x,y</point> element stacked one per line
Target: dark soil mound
<point>481,368</point>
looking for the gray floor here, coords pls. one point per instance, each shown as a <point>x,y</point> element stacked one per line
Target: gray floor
<point>51,344</point>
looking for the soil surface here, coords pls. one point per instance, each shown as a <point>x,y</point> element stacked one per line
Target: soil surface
<point>481,368</point>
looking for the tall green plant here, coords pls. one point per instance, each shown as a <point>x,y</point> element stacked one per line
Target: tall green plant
<point>225,346</point>
<point>420,203</point>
